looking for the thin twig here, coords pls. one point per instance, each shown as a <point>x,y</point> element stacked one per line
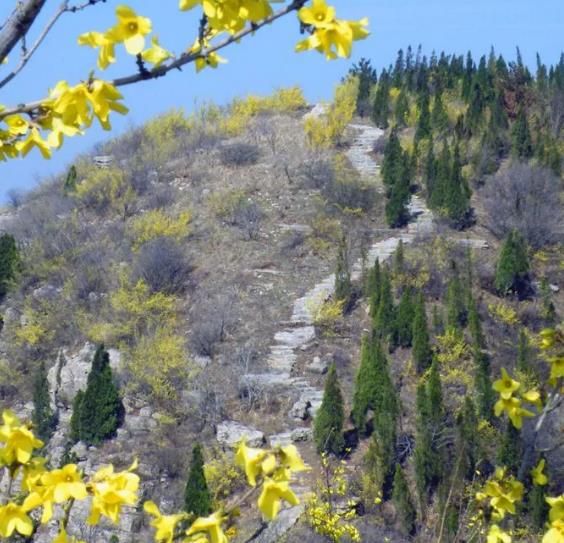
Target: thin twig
<point>184,59</point>
<point>27,54</point>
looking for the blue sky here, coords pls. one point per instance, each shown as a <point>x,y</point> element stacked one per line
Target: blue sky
<point>267,61</point>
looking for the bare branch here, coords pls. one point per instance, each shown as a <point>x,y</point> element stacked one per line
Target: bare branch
<point>185,58</point>
<point>18,23</point>
<point>27,54</point>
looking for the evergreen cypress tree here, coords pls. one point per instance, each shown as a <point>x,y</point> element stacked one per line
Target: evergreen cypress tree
<point>483,383</point>
<point>70,181</point>
<point>197,497</point>
<point>392,163</point>
<point>456,307</point>
<point>438,321</point>
<point>422,353</point>
<point>467,439</point>
<point>399,259</point>
<point>404,323</point>
<point>423,129</point>
<point>475,324</point>
<point>523,352</point>
<point>101,410</point>
<point>343,284</point>
<point>510,451</point>
<point>468,77</point>
<point>521,140</point>
<point>512,269</point>
<point>430,171</point>
<point>328,423</point>
<point>384,321</point>
<point>366,384</point>
<point>43,418</point>
<point>457,196</point>
<point>374,288</point>
<point>439,116</point>
<point>548,311</point>
<point>427,461</point>
<point>367,78</point>
<point>476,107</point>
<point>9,262</point>
<point>402,502</point>
<point>75,417</point>
<point>538,508</point>
<point>381,105</point>
<point>436,410</point>
<point>402,109</point>
<point>437,198</point>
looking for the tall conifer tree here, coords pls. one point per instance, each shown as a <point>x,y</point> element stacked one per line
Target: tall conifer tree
<point>328,423</point>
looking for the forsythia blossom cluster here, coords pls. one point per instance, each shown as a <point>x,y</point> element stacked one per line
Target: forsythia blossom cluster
<point>45,493</point>
<point>508,403</point>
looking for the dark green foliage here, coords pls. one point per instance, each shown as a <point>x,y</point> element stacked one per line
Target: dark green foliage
<point>457,195</point>
<point>430,170</point>
<point>397,214</point>
<point>43,418</point>
<point>396,175</point>
<point>99,412</point>
<point>427,459</point>
<point>422,353</point>
<point>548,311</point>
<point>475,325</point>
<point>399,259</point>
<point>476,107</point>
<point>367,78</point>
<point>75,417</point>
<point>435,411</point>
<point>374,287</point>
<point>456,306</point>
<point>483,384</point>
<point>512,269</point>
<point>343,285</point>
<point>404,320</point>
<point>392,163</point>
<point>439,116</point>
<point>523,352</point>
<point>510,449</point>
<point>9,263</point>
<point>439,186</point>
<point>423,129</point>
<point>467,445</point>
<point>197,497</point>
<point>403,503</point>
<point>521,140</point>
<point>538,508</point>
<point>328,423</point>
<point>366,384</point>
<point>402,109</point>
<point>70,181</point>
<point>381,105</point>
<point>383,323</point>
<point>438,321</point>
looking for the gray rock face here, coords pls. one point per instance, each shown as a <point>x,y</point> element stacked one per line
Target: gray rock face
<point>285,521</point>
<point>318,366</point>
<point>70,373</point>
<point>230,433</point>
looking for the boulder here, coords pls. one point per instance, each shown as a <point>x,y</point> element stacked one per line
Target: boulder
<point>230,433</point>
<point>318,366</point>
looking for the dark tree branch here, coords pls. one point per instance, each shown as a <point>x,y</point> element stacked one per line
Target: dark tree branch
<point>18,23</point>
<point>185,58</point>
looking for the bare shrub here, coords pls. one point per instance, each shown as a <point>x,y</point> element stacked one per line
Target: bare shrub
<point>162,264</point>
<point>316,171</point>
<point>160,196</point>
<point>264,131</point>
<point>90,273</point>
<point>524,198</point>
<point>351,193</point>
<point>15,198</point>
<point>293,240</point>
<point>239,154</point>
<point>213,317</point>
<point>247,216</point>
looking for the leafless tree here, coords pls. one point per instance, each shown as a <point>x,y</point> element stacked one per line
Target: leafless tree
<point>524,198</point>
<point>247,216</point>
<point>163,265</point>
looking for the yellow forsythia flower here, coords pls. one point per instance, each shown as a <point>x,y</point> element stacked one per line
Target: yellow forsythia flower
<point>506,386</point>
<point>211,526</point>
<point>62,537</point>
<point>19,440</point>
<point>272,493</point>
<point>539,478</point>
<point>111,491</point>
<point>497,535</point>
<point>164,524</point>
<point>130,30</point>
<point>250,460</point>
<point>14,518</point>
<point>156,54</point>
<point>106,55</point>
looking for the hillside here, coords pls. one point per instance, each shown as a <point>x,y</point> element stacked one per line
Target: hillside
<point>235,260</point>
